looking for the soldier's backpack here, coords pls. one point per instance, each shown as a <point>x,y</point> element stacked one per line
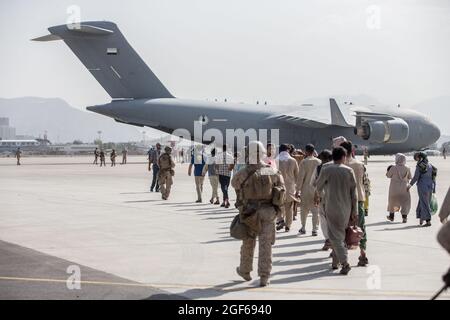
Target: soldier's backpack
<point>165,162</point>
<point>278,196</point>
<point>238,229</point>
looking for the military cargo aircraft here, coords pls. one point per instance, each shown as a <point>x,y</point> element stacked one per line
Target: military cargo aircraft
<point>139,98</point>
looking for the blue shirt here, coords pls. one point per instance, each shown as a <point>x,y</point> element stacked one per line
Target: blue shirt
<point>199,163</point>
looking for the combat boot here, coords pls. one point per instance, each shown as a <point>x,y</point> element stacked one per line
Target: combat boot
<point>280,225</point>
<point>264,281</point>
<point>245,276</point>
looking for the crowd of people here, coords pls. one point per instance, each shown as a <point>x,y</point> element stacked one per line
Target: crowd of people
<point>276,185</point>
<point>331,186</point>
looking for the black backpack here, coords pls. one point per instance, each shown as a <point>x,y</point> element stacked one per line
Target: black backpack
<point>433,172</point>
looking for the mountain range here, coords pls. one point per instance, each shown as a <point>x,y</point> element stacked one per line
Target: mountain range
<point>62,122</point>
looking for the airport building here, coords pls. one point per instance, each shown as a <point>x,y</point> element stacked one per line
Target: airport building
<point>6,131</point>
<point>85,148</point>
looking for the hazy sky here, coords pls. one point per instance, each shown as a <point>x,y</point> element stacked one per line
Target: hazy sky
<point>280,51</point>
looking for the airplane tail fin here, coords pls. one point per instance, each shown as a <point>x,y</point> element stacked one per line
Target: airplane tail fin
<point>106,53</point>
<point>337,118</point>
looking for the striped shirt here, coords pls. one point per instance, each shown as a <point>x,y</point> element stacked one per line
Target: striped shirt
<point>223,162</point>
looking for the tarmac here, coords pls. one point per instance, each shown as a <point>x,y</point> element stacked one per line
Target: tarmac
<point>60,213</point>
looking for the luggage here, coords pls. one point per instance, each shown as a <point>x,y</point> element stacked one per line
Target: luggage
<point>353,236</point>
<point>434,204</point>
<point>239,230</point>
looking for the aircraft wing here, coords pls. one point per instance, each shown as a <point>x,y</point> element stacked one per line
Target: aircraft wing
<point>298,118</point>
<point>366,113</point>
<point>309,117</point>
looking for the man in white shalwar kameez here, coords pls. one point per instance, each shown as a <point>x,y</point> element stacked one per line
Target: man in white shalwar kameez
<point>306,169</point>
<point>338,184</point>
<point>327,159</point>
<point>358,170</point>
<point>289,170</point>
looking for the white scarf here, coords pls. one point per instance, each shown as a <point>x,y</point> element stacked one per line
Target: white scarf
<point>284,156</point>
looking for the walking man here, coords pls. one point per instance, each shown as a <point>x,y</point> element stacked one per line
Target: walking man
<point>198,162</point>
<point>225,165</point>
<point>210,167</point>
<point>289,170</point>
<point>306,170</point>
<point>358,170</point>
<point>124,156</point>
<point>153,156</point>
<point>326,157</point>
<point>338,184</point>
<point>113,158</point>
<point>18,156</point>
<point>366,155</point>
<point>166,172</point>
<point>96,154</point>
<point>102,158</point>
<point>258,209</point>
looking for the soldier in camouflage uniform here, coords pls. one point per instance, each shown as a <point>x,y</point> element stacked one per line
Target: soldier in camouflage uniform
<point>166,172</point>
<point>256,185</point>
<point>18,155</point>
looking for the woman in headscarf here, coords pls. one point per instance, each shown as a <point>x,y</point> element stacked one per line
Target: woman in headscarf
<point>399,196</point>
<point>425,187</point>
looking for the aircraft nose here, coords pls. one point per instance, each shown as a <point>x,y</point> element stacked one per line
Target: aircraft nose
<point>434,132</point>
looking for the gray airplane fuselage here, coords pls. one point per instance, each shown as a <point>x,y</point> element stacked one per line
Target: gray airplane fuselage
<point>140,98</point>
<point>169,114</point>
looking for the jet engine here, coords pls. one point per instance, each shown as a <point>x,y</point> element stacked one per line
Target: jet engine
<point>382,131</point>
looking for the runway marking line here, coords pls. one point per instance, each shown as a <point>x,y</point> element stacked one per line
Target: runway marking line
<point>352,292</point>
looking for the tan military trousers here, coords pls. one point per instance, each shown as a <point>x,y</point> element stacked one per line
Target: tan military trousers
<point>266,238</point>
<point>165,183</point>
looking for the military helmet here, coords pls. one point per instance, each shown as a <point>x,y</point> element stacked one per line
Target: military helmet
<point>167,149</point>
<point>256,151</point>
